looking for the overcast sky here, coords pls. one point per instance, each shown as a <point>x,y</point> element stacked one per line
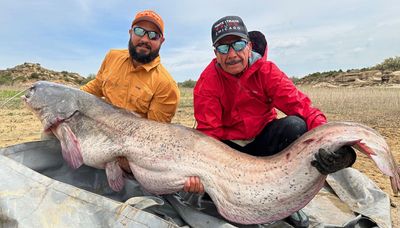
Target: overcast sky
<point>303,36</point>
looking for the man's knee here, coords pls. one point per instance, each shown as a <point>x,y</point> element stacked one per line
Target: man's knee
<point>294,126</point>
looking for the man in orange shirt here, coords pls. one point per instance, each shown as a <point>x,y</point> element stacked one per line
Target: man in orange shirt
<point>135,79</point>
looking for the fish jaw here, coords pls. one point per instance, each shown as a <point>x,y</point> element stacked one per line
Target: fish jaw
<point>48,101</point>
<point>45,118</point>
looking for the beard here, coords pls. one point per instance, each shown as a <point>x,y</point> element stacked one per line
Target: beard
<point>142,57</point>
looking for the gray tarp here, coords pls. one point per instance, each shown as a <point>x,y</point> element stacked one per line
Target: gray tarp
<point>37,189</point>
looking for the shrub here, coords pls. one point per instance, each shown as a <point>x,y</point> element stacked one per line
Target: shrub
<point>187,84</point>
<point>295,79</point>
<point>5,79</point>
<point>35,75</point>
<point>87,79</point>
<point>392,64</point>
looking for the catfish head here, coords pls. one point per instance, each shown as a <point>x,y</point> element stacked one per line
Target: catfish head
<point>52,103</point>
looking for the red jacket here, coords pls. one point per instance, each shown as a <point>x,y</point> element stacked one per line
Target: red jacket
<point>227,107</point>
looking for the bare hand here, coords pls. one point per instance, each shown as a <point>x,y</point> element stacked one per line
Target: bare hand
<point>194,185</point>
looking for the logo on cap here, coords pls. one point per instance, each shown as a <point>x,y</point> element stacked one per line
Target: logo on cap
<point>229,25</point>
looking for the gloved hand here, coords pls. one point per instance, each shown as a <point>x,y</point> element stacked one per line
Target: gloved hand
<point>329,162</point>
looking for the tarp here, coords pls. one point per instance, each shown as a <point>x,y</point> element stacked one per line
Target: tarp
<point>38,189</point>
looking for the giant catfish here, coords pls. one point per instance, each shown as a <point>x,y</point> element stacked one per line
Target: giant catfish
<point>244,188</point>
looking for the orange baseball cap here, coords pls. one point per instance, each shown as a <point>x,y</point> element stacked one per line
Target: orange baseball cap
<point>151,16</point>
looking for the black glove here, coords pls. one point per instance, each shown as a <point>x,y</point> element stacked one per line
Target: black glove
<point>329,162</point>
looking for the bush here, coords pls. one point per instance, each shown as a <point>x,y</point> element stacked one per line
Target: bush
<point>187,84</point>
<point>35,75</point>
<point>88,79</point>
<point>392,64</point>
<point>5,79</point>
<point>295,79</point>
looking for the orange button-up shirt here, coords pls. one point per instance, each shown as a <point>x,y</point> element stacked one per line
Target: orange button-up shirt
<point>148,90</point>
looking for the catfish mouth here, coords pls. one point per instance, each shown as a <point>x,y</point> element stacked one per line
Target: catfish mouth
<point>26,98</point>
<point>26,102</point>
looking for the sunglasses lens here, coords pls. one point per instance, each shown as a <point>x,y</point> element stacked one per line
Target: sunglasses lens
<point>153,35</point>
<point>139,31</point>
<point>223,48</point>
<point>239,45</point>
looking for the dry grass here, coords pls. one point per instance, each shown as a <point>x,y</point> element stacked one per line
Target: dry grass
<point>378,108</point>
<point>184,114</point>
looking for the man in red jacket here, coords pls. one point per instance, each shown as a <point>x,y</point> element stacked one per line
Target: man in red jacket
<point>235,101</point>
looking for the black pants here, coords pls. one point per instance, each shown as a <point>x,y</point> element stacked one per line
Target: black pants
<point>275,137</point>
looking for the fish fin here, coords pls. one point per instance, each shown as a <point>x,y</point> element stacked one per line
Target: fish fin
<point>395,182</point>
<point>114,176</point>
<point>70,147</point>
<point>360,146</point>
<point>387,165</point>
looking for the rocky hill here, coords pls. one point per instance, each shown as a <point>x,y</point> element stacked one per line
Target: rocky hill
<point>385,74</point>
<point>352,78</point>
<point>30,72</point>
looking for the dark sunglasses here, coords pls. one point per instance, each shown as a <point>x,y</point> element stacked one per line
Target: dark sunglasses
<point>151,34</point>
<point>237,46</point>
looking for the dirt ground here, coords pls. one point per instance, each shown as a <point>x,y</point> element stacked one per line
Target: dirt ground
<point>19,125</point>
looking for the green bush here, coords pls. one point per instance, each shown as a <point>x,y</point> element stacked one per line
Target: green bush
<point>35,75</point>
<point>187,84</point>
<point>392,64</point>
<point>5,79</point>
<point>87,79</point>
<point>295,79</point>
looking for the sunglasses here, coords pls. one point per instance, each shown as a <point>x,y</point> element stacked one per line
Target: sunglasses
<point>151,34</point>
<point>237,46</point>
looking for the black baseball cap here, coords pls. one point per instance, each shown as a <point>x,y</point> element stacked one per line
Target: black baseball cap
<point>229,25</point>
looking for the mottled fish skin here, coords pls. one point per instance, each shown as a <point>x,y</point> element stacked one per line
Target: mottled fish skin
<point>245,189</point>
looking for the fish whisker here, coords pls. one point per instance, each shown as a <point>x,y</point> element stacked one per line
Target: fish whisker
<point>11,98</point>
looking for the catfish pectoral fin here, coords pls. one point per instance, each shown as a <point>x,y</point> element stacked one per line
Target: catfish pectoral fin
<point>70,147</point>
<point>114,176</point>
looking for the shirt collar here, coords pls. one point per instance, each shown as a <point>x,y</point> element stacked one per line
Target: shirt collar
<point>152,64</point>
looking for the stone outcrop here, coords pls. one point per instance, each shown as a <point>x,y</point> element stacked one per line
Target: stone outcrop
<point>29,72</point>
<point>354,78</point>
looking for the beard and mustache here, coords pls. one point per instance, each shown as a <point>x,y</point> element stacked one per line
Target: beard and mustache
<point>142,57</point>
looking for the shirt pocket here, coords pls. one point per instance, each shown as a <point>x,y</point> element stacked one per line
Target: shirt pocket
<point>114,92</point>
<point>140,98</point>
